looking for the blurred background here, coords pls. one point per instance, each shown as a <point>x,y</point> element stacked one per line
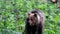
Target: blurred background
<point>13,15</point>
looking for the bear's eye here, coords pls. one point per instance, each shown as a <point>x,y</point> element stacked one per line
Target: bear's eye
<point>31,19</point>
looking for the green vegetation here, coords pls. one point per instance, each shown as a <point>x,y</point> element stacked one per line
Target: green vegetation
<point>13,15</point>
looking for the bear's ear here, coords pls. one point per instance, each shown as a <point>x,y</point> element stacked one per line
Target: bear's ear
<point>28,14</point>
<point>35,15</point>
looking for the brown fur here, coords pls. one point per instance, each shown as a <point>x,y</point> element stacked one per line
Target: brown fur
<point>35,22</point>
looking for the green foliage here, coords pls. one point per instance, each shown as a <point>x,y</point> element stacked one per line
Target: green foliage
<point>13,15</point>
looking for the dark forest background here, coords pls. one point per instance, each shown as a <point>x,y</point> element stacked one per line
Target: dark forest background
<point>13,15</point>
